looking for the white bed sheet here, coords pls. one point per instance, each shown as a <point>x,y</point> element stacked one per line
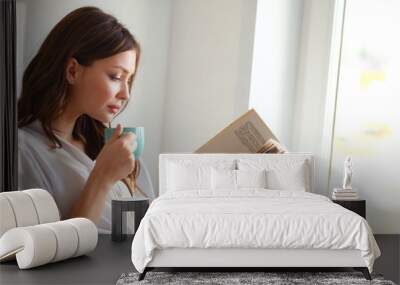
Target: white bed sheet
<point>250,218</point>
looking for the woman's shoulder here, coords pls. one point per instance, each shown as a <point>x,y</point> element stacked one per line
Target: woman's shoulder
<point>31,136</point>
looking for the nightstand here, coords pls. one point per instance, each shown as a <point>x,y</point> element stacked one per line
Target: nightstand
<point>118,207</point>
<point>357,206</point>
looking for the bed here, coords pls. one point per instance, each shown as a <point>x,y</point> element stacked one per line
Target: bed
<point>245,211</point>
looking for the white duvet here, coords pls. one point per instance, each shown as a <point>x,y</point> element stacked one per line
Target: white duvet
<point>250,218</point>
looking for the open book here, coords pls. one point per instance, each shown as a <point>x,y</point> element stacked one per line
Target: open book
<point>247,134</point>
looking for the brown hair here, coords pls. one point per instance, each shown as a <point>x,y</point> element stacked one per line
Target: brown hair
<point>86,34</point>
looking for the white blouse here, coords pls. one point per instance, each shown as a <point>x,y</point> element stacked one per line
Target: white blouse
<point>64,172</point>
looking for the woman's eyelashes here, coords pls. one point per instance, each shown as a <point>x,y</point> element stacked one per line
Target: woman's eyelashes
<point>120,78</point>
<point>115,78</point>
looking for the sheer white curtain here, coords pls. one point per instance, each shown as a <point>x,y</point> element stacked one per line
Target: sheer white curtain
<point>314,109</point>
<point>367,113</point>
<point>291,63</point>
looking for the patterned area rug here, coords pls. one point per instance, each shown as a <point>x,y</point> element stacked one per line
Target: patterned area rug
<point>269,278</point>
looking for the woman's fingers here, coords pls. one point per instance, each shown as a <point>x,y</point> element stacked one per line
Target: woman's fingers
<point>117,133</point>
<point>130,139</point>
<point>134,147</point>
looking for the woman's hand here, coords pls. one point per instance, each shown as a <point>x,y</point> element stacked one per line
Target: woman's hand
<point>116,160</point>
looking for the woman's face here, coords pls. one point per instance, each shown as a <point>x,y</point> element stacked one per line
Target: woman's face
<point>101,89</point>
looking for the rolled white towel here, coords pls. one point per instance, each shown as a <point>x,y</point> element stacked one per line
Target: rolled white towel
<point>26,208</point>
<point>23,208</point>
<point>32,246</point>
<point>40,244</point>
<point>87,235</point>
<point>67,238</point>
<point>7,220</point>
<point>45,206</point>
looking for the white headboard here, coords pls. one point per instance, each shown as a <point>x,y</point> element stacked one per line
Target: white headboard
<point>166,157</point>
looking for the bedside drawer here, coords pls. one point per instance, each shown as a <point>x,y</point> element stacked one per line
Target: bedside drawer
<point>357,206</point>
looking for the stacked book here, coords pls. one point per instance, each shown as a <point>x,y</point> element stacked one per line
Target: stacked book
<point>344,194</point>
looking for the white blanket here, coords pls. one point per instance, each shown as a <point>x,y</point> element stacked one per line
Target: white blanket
<point>250,218</point>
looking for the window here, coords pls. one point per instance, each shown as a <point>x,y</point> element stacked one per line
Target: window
<point>367,118</point>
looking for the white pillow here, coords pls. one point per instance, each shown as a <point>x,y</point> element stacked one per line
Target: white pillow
<point>251,178</point>
<point>223,179</point>
<point>236,179</point>
<point>282,174</point>
<point>188,177</point>
<point>293,179</point>
<point>183,175</point>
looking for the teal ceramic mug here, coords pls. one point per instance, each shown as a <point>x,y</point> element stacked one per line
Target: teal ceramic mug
<point>138,131</point>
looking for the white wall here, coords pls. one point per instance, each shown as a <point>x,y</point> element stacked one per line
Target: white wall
<point>208,70</point>
<point>149,21</point>
<point>275,61</point>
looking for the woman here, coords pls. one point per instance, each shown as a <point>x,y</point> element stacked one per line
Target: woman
<point>79,80</point>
